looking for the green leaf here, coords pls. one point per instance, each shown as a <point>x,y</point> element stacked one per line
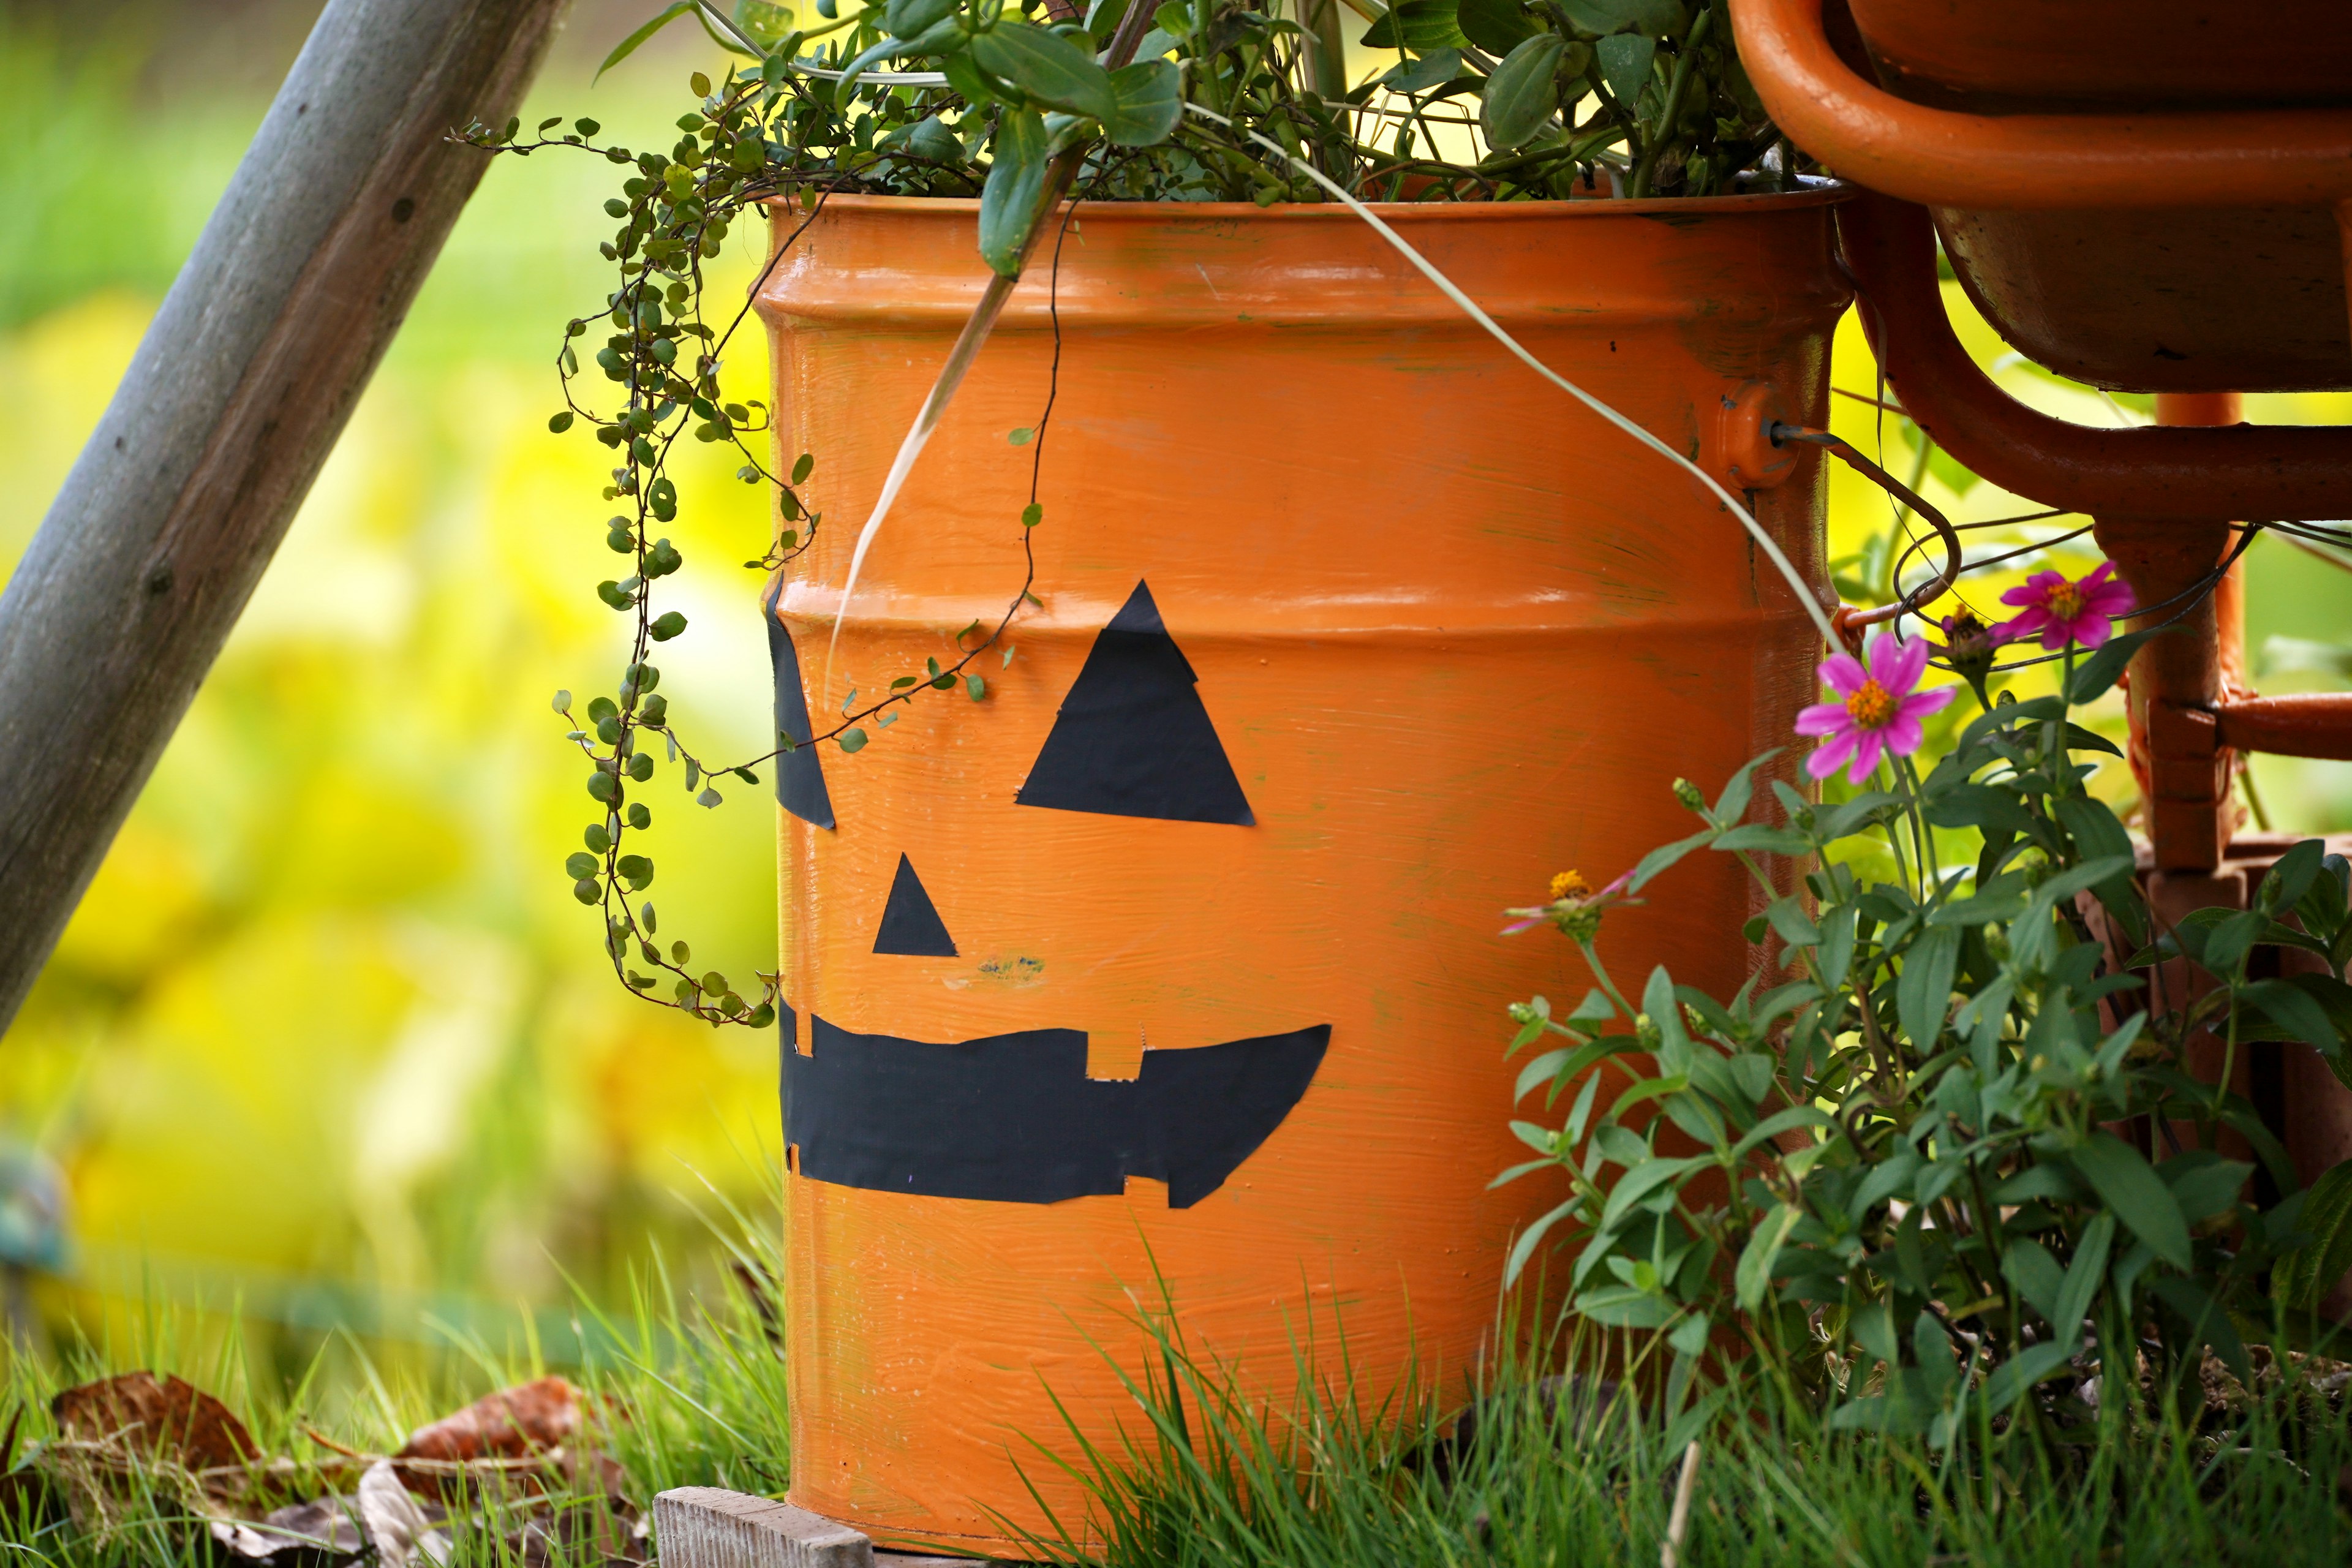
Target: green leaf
<point>1017,181</point>
<point>975,687</point>
<point>1923,991</point>
<point>1524,1248</point>
<point>845,91</point>
<point>629,46</point>
<point>1520,97</point>
<point>2081,739</point>
<point>666,626</point>
<point>932,139</point>
<point>1624,1307</point>
<point>1625,64</point>
<point>1786,917</point>
<point>1754,1276</point>
<point>2207,1322</point>
<point>1853,816</point>
<point>767,23</point>
<point>1494,26</point>
<point>1658,1000</point>
<point>2292,1009</point>
<point>1642,1180</point>
<point>2304,1278</point>
<point>853,740</point>
<point>1781,1121</point>
<point>905,18</point>
<point>1658,859</point>
<point>2231,941</point>
<point>2125,1183</point>
<point>1980,806</point>
<point>2104,667</point>
<point>1418,26</point>
<point>1421,73</point>
<point>1148,104</point>
<point>2290,877</point>
<point>1771,840</point>
<point>2036,1364</point>
<point>2028,1266</point>
<point>1977,912</point>
<point>1048,67</point>
<point>1732,803</point>
<point>561,701</point>
<point>2083,1277</point>
<point>1658,18</point>
<point>2091,823</point>
<point>1835,951</point>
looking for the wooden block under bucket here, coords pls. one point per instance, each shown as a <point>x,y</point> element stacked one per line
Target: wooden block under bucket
<point>706,1527</point>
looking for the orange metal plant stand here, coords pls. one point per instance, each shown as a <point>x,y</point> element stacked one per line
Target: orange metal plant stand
<point>2109,113</point>
<point>1402,628</point>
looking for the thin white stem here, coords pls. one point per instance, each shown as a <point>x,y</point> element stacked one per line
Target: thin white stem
<point>967,348</point>
<point>1447,286</point>
<point>1678,1522</point>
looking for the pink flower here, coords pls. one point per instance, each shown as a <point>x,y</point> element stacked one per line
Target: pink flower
<point>1575,908</point>
<point>2081,612</point>
<point>1881,713</point>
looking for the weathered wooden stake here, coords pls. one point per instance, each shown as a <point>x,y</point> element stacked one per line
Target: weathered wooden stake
<point>154,543</point>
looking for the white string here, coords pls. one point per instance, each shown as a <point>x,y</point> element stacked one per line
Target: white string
<point>1470,307</point>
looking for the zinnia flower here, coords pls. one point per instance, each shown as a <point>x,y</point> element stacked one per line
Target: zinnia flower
<point>2080,611</point>
<point>1969,649</point>
<point>1881,713</point>
<point>1575,908</point>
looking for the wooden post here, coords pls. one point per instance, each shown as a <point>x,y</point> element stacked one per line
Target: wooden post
<point>238,391</point>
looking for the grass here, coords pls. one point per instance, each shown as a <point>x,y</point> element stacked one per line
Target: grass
<point>685,1386</point>
<point>1544,1473</point>
<point>1554,1474</point>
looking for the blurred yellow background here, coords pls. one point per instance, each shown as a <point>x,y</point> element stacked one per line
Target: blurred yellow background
<point>330,1039</point>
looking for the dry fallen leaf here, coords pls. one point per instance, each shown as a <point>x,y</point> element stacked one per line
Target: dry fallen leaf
<point>522,1436</point>
<point>163,1419</point>
<point>402,1530</point>
<point>512,1424</point>
<point>324,1530</point>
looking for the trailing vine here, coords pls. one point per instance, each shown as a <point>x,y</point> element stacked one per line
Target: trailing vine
<point>1025,100</point>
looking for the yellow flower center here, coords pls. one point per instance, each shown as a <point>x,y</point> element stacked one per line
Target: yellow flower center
<point>1570,884</point>
<point>2065,602</point>
<point>1871,707</point>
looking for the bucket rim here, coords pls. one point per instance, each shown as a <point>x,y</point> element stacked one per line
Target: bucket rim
<point>1817,192</point>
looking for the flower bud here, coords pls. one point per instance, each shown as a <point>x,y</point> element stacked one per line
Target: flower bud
<point>1687,792</point>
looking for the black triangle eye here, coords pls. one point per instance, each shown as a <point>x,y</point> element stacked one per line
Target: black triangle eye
<point>911,921</point>
<point>800,776</point>
<point>1133,738</point>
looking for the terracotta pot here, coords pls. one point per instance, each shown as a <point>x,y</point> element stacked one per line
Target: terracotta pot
<point>1202,986</point>
<point>2195,295</point>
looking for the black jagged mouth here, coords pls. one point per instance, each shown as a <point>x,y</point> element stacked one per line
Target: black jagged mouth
<point>1014,1117</point>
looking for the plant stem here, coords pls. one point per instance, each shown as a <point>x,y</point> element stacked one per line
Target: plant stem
<point>1671,110</point>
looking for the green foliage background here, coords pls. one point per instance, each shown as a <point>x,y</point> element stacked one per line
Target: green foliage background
<point>329,1041</point>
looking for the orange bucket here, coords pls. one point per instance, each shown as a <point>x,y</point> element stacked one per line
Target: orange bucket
<point>1176,956</point>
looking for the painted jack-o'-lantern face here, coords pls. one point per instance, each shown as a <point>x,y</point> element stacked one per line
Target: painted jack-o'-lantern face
<point>1015,1116</point>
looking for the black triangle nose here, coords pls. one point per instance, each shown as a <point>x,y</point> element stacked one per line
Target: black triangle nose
<point>911,921</point>
<point>1133,738</point>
